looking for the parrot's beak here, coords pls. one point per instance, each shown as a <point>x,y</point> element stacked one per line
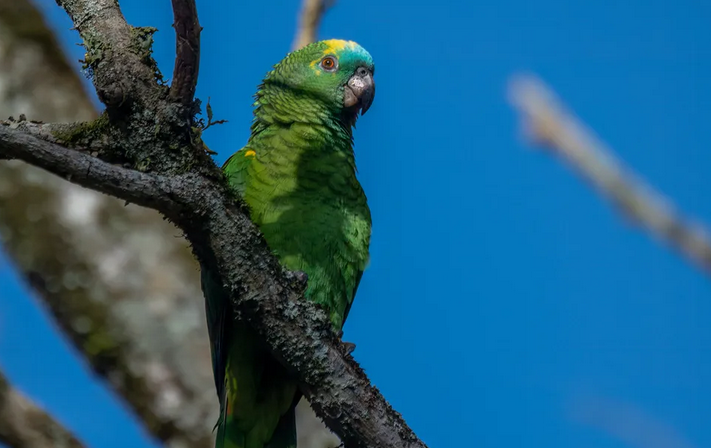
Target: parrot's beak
<point>360,90</point>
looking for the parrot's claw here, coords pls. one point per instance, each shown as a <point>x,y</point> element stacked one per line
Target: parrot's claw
<point>300,276</point>
<point>348,346</point>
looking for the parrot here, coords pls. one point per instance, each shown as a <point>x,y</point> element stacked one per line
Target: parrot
<point>297,176</point>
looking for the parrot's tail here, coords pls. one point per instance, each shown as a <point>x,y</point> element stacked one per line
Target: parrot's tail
<point>285,432</point>
<point>230,434</point>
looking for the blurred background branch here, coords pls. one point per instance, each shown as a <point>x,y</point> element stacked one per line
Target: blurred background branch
<point>546,122</point>
<point>24,425</point>
<point>626,422</point>
<point>118,280</point>
<point>312,12</point>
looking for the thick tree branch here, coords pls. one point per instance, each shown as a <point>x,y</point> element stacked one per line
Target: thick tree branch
<point>187,51</point>
<point>115,52</point>
<point>222,236</point>
<point>81,168</point>
<point>312,12</point>
<point>549,124</point>
<point>52,132</point>
<point>229,244</point>
<point>297,331</point>
<point>24,425</point>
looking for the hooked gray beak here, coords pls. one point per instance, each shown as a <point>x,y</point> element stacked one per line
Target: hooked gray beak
<point>360,90</point>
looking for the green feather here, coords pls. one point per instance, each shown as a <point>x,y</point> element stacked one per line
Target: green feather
<point>297,174</point>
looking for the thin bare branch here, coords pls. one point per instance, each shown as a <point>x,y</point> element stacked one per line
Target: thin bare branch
<point>24,425</point>
<point>549,124</point>
<point>187,51</point>
<point>627,422</point>
<point>312,12</point>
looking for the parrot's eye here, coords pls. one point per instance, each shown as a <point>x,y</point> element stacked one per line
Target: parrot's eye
<point>329,63</point>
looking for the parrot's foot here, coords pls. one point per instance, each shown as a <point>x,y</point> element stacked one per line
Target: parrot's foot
<point>300,276</point>
<point>349,347</point>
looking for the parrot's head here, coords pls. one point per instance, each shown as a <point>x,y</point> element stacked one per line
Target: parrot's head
<point>332,75</point>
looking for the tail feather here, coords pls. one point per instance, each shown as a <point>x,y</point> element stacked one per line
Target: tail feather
<point>231,435</point>
<point>257,395</point>
<point>285,432</point>
<point>235,439</point>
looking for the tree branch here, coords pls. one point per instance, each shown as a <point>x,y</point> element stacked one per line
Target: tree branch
<point>24,425</point>
<point>52,132</point>
<point>312,12</point>
<point>549,124</point>
<point>81,168</point>
<point>115,52</point>
<point>155,138</point>
<point>297,331</point>
<point>187,50</point>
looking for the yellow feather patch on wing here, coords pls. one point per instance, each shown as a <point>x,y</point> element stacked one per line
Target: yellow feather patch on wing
<point>250,153</point>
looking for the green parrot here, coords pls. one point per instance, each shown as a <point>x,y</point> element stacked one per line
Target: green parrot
<point>297,175</point>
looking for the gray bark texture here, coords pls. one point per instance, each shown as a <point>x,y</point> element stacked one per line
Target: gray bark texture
<point>24,425</point>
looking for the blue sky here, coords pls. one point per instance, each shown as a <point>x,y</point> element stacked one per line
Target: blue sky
<point>504,299</point>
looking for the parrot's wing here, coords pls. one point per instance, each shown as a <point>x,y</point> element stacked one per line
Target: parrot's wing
<point>236,168</point>
<point>218,307</point>
<point>219,312</point>
<point>359,275</point>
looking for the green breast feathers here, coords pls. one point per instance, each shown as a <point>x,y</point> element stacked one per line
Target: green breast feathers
<point>297,174</point>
